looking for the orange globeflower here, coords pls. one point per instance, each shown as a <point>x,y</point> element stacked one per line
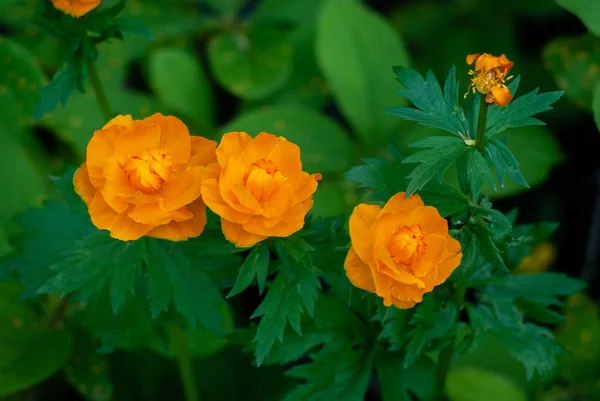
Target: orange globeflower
<point>76,8</point>
<point>258,187</point>
<point>401,251</point>
<point>489,77</point>
<point>143,177</point>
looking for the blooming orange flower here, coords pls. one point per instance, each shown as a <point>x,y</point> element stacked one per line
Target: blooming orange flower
<point>401,251</point>
<point>258,187</point>
<point>76,8</point>
<point>143,177</point>
<point>489,77</point>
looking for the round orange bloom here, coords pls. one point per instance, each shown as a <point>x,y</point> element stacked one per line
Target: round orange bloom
<point>143,177</point>
<point>258,187</point>
<point>489,77</point>
<point>401,251</point>
<point>76,8</point>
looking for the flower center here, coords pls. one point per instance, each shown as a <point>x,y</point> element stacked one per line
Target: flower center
<point>149,170</point>
<point>484,81</point>
<point>263,178</point>
<point>406,242</point>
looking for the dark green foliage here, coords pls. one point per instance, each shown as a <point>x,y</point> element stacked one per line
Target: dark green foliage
<point>255,265</point>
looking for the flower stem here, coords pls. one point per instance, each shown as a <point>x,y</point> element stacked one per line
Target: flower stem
<point>184,361</point>
<point>481,122</point>
<point>58,311</point>
<point>99,90</point>
<point>444,361</point>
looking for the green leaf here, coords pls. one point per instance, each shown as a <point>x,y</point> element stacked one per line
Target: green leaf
<point>290,294</point>
<point>391,374</point>
<point>504,162</point>
<point>385,177</point>
<point>574,63</point>
<point>433,108</point>
<point>87,371</point>
<point>532,345</point>
<point>472,171</point>
<point>325,147</point>
<point>519,112</point>
<point>255,265</point>
<point>334,197</point>
<point>20,79</point>
<point>446,199</point>
<point>173,278</point>
<point>430,323</point>
<point>63,84</point>
<point>362,88</point>
<point>30,351</point>
<point>253,66</point>
<point>537,152</point>
<point>487,247</point>
<point>93,262</point>
<point>443,152</point>
<point>181,84</point>
<point>587,10</point>
<point>596,105</point>
<point>472,384</point>
<point>339,371</point>
<point>394,322</point>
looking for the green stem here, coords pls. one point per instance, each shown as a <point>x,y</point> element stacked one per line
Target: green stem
<point>481,122</point>
<point>444,361</point>
<point>99,90</point>
<point>184,361</point>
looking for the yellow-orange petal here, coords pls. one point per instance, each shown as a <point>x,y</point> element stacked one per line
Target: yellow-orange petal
<point>358,272</point>
<point>429,219</point>
<point>501,95</point>
<point>180,231</point>
<point>202,151</point>
<point>434,251</point>
<point>82,184</point>
<point>120,120</point>
<point>403,304</point>
<point>76,8</point>
<point>259,148</point>
<point>232,143</point>
<point>132,142</point>
<point>305,187</point>
<point>174,137</point>
<point>116,186</point>
<point>152,214</point>
<point>386,266</point>
<point>182,189</point>
<point>279,204</point>
<point>236,234</point>
<point>99,149</point>
<point>119,225</point>
<point>407,293</point>
<point>447,266</point>
<point>243,200</point>
<point>215,202</point>
<point>397,203</point>
<point>286,156</point>
<point>362,219</point>
<point>472,57</point>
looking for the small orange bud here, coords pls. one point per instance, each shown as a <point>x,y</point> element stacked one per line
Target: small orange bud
<point>76,8</point>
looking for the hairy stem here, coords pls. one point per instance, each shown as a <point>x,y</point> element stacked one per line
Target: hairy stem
<point>481,123</point>
<point>184,361</point>
<point>99,90</point>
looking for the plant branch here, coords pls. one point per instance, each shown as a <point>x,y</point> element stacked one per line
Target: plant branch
<point>98,90</point>
<point>481,124</point>
<point>184,361</point>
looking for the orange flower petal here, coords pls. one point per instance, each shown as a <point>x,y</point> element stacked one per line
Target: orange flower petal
<point>403,304</point>
<point>292,221</point>
<point>180,231</point>
<point>213,199</point>
<point>238,235</point>
<point>436,248</point>
<point>232,144</point>
<point>174,137</point>
<point>203,151</point>
<point>120,225</point>
<point>182,189</point>
<point>407,293</point>
<point>452,261</point>
<point>152,214</point>
<point>244,201</point>
<point>133,142</point>
<point>386,266</point>
<point>123,121</point>
<point>116,185</point>
<point>286,156</point>
<point>259,148</point>
<point>501,95</point>
<point>362,219</point>
<point>358,272</point>
<point>305,187</point>
<point>472,57</point>
<point>429,219</point>
<point>397,203</point>
<point>82,184</point>
<point>99,149</point>
<point>278,204</point>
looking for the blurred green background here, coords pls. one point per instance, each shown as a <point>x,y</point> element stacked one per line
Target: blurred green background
<point>319,73</point>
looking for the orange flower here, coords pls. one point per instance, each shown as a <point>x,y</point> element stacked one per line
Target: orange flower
<point>76,8</point>
<point>489,77</point>
<point>258,187</point>
<point>143,177</point>
<point>401,251</point>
